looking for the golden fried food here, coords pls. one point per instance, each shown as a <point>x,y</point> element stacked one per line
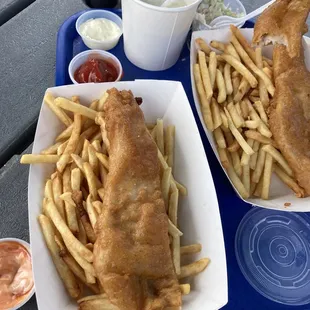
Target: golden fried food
<point>132,256</point>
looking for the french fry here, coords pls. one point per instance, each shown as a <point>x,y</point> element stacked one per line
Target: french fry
<point>220,82</point>
<point>235,83</point>
<point>224,119</point>
<point>241,69</point>
<point>91,180</point>
<point>259,165</point>
<point>258,190</point>
<point>39,159</point>
<point>69,239</point>
<point>49,100</point>
<point>98,206</point>
<point>165,186</point>
<point>255,135</point>
<point>160,135</point>
<point>185,289</point>
<point>51,150</point>
<point>279,158</point>
<point>262,128</point>
<point>250,64</point>
<point>236,118</point>
<point>252,124</point>
<point>243,88</point>
<point>219,138</point>
<point>173,230</point>
<point>102,101</point>
<point>65,134</point>
<point>103,159</point>
<point>246,180</point>
<point>236,163</point>
<point>218,45</point>
<point>245,159</point>
<point>238,108</point>
<point>62,147</point>
<point>253,159</point>
<point>237,183</point>
<point>261,111</point>
<point>75,108</point>
<point>229,49</point>
<point>181,188</point>
<point>191,249</point>
<point>98,303</point>
<point>97,146</point>
<point>83,215</point>
<point>57,191</point>
<point>76,179</point>
<point>254,92</point>
<point>169,144</point>
<point>205,104</point>
<point>84,154</point>
<point>72,144</point>
<point>93,159</point>
<point>194,268</point>
<point>173,207</point>
<point>203,45</point>
<point>64,272</point>
<point>227,78</point>
<point>91,211</point>
<point>290,182</point>
<point>48,190</point>
<point>263,94</point>
<point>268,72</point>
<point>267,176</point>
<point>82,234</point>
<point>103,174</point>
<point>205,74</point>
<point>212,68</point>
<point>223,157</point>
<point>238,135</point>
<point>244,109</point>
<point>176,254</point>
<point>101,193</point>
<point>217,119</point>
<point>76,269</point>
<point>234,147</point>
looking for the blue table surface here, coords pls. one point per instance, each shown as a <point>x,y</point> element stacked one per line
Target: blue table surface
<point>232,209</point>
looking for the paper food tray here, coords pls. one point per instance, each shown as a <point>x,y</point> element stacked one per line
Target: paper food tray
<point>199,215</point>
<point>279,192</point>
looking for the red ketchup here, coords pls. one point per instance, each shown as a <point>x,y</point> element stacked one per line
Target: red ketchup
<point>96,71</point>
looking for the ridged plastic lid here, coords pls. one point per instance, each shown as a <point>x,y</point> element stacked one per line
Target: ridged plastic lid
<point>272,250</point>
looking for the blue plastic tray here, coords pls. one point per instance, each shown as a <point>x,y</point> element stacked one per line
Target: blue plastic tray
<point>241,294</point>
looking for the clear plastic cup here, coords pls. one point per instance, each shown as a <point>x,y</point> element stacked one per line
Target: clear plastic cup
<point>154,35</point>
<point>81,58</point>
<point>95,44</point>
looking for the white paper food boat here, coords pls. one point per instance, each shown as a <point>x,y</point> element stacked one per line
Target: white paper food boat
<point>199,215</point>
<point>280,194</point>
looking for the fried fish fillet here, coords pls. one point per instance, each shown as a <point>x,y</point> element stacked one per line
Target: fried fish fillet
<point>132,256</point>
<point>284,23</point>
<point>289,115</point>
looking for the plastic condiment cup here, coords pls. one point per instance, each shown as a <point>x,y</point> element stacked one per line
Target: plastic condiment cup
<point>153,35</point>
<point>81,58</point>
<point>95,44</point>
<point>26,245</point>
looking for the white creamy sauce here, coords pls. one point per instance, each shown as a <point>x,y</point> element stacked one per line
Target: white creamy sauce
<point>100,29</point>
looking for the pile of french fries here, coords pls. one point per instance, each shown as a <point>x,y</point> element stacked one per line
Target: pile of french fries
<point>74,195</point>
<point>235,85</point>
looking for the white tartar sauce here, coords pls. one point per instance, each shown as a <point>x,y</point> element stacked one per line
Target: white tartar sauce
<point>100,29</point>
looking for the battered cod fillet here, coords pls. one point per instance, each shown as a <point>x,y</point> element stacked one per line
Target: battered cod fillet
<point>132,255</point>
<point>289,114</point>
<point>284,22</point>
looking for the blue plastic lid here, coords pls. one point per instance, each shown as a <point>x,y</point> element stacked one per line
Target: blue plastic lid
<point>272,250</point>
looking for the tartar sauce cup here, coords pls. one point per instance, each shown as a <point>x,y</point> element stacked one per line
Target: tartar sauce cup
<point>106,44</point>
<point>82,57</point>
<point>28,295</point>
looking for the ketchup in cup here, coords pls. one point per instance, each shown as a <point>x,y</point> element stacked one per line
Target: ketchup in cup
<point>16,279</point>
<point>96,70</point>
